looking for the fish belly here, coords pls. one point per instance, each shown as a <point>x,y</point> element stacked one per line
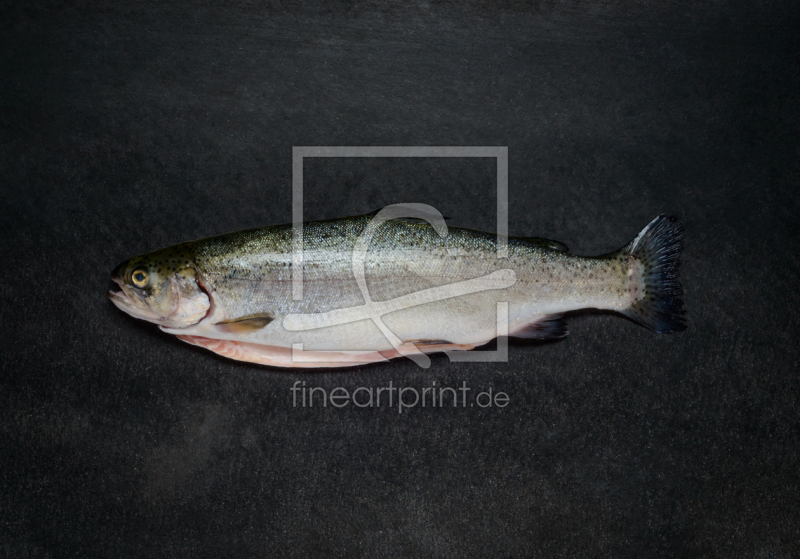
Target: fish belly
<point>538,290</point>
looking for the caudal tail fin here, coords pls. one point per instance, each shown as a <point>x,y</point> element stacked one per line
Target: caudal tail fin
<point>658,247</point>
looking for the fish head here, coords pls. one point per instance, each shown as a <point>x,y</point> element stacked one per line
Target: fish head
<point>162,287</point>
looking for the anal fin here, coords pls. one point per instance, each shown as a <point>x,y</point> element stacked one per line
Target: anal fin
<point>548,327</point>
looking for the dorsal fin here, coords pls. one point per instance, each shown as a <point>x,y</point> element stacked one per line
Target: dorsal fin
<point>416,220</point>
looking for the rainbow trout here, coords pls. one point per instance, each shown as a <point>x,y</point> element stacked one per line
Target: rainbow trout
<point>373,290</point>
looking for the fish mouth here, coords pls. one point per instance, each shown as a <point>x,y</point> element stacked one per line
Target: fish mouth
<point>127,301</point>
<point>132,302</point>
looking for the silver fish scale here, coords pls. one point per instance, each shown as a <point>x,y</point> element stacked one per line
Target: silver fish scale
<point>423,287</point>
<point>252,270</point>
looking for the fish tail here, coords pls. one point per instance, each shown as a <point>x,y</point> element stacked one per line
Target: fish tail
<point>657,249</point>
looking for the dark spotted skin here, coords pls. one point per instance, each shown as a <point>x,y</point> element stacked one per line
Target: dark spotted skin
<point>251,270</point>
<point>244,281</point>
<point>160,264</point>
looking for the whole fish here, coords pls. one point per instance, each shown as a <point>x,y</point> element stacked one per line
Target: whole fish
<point>373,290</point>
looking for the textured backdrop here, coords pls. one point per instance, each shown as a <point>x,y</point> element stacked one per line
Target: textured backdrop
<point>126,126</point>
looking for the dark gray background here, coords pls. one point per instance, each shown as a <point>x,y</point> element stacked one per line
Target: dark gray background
<point>127,126</point>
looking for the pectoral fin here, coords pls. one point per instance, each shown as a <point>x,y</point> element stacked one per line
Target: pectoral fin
<point>427,342</point>
<point>244,325</point>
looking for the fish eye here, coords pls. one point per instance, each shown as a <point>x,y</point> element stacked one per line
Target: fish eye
<point>140,278</point>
